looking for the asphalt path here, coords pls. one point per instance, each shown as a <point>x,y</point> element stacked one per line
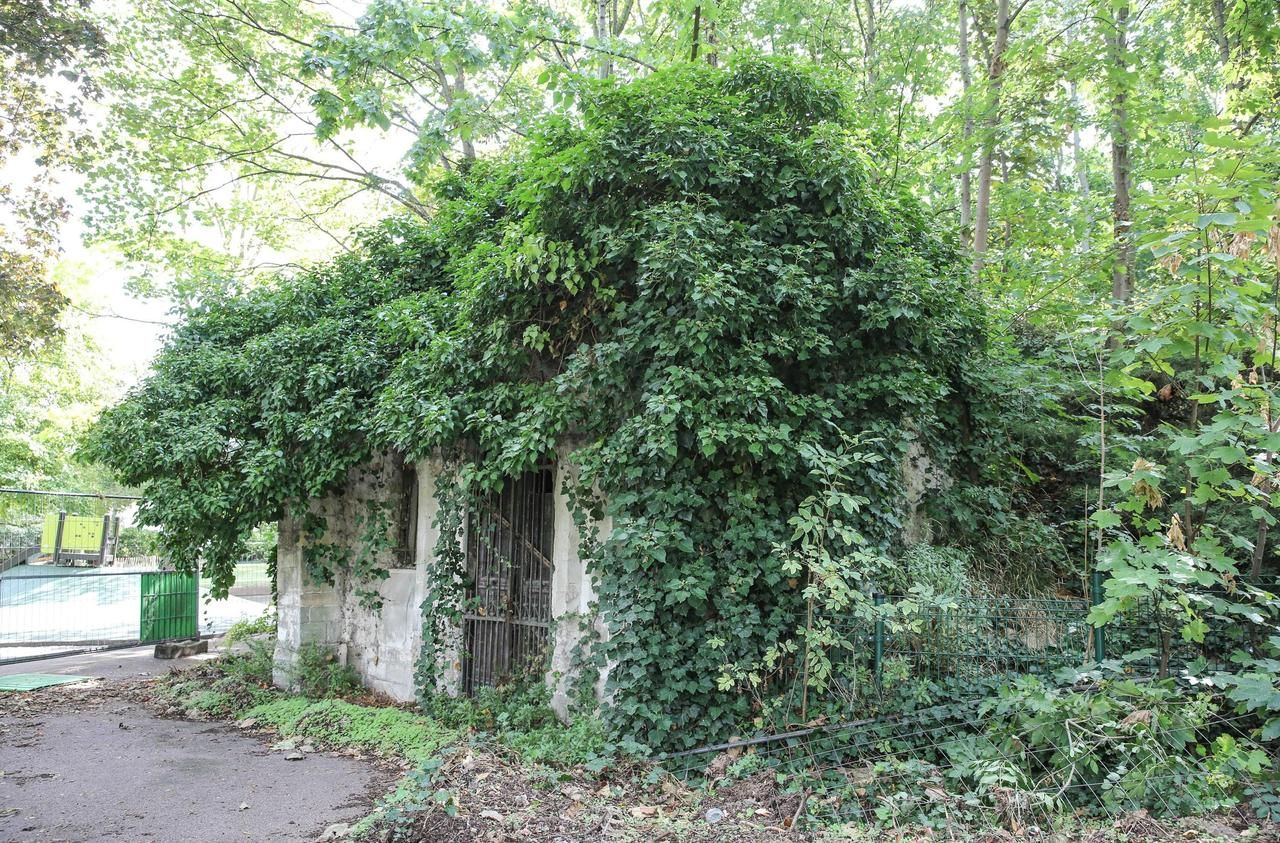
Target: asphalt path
<point>78,764</point>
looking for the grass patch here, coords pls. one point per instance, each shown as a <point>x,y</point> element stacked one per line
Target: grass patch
<point>239,686</point>
<point>389,732</point>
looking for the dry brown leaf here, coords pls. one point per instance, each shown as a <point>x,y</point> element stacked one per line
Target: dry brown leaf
<point>1175,535</point>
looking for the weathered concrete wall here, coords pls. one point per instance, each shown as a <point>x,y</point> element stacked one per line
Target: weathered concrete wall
<point>575,623</point>
<point>381,644</point>
<point>920,476</point>
<point>307,612</point>
<point>449,667</point>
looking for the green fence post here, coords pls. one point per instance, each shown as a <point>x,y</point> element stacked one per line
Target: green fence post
<point>1099,636</point>
<point>878,600</point>
<point>57,541</point>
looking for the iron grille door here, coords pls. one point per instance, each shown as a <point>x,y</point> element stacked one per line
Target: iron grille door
<point>508,610</point>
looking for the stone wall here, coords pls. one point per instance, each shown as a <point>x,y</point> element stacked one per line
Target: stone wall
<point>382,643</point>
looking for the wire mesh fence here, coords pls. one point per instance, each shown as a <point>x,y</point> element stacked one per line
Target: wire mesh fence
<point>976,765</point>
<point>49,610</point>
<point>970,637</point>
<point>972,762</point>
<point>55,598</point>
<point>62,527</point>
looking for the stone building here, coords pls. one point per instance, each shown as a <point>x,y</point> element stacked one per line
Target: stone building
<point>528,592</point>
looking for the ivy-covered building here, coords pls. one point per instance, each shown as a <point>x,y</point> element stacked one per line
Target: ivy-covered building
<point>526,605</point>
<point>641,387</point>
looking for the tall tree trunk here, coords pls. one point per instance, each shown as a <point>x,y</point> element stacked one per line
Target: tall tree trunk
<point>697,21</point>
<point>1122,267</point>
<point>995,74</point>
<point>602,35</point>
<point>966,172</point>
<point>1220,36</point>
<point>869,44</point>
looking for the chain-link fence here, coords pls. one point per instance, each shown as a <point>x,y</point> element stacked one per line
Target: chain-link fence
<point>978,766</point>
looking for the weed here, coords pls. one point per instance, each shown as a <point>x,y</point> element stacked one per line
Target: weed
<point>414,795</point>
<point>240,630</point>
<point>318,673</point>
<point>390,732</point>
<point>519,716</point>
<point>212,702</point>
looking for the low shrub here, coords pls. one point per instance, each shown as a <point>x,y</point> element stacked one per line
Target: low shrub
<point>319,674</point>
<point>243,629</point>
<point>518,715</point>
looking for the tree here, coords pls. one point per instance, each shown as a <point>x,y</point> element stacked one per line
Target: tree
<point>47,48</point>
<point>1118,72</point>
<point>999,45</point>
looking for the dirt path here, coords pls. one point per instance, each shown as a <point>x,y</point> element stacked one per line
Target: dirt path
<point>84,763</point>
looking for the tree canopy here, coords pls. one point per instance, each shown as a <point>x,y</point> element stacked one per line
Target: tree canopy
<point>46,49</point>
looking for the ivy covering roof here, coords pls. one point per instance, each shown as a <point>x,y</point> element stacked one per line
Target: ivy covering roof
<point>694,279</point>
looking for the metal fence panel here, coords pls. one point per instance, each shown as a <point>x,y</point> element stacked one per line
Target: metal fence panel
<point>169,606</point>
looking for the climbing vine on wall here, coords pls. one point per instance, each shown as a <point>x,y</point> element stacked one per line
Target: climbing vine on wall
<point>446,586</point>
<point>691,280</point>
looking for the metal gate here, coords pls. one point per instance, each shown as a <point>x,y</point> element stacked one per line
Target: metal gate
<point>508,608</point>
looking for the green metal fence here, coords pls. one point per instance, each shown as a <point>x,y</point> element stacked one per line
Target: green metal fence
<point>170,606</point>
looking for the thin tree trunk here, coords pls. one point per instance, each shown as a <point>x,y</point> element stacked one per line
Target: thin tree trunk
<point>1081,173</point>
<point>697,21</point>
<point>966,172</point>
<point>621,17</point>
<point>1122,267</point>
<point>602,35</point>
<point>1007,241</point>
<point>451,91</point>
<point>995,74</point>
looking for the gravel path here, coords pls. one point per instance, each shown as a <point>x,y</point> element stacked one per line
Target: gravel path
<point>79,764</point>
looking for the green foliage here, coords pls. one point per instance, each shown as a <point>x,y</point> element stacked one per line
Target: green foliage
<point>386,731</point>
<point>227,686</point>
<point>317,673</point>
<point>242,629</point>
<point>259,401</point>
<point>1130,746</point>
<point>518,716</point>
<point>416,795</point>
<point>710,281</point>
<point>699,282</point>
<point>48,52</point>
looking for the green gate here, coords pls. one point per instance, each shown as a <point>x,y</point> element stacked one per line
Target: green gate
<point>170,606</point>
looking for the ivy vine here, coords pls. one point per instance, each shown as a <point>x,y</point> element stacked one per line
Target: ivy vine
<point>695,280</point>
